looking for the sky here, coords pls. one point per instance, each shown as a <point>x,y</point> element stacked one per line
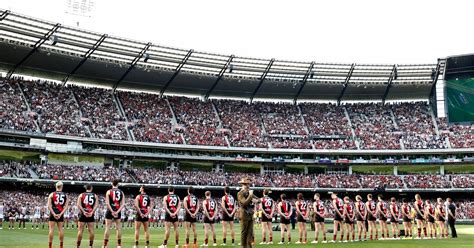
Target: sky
<point>362,31</point>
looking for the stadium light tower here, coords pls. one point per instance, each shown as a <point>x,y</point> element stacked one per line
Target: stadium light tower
<point>80,9</point>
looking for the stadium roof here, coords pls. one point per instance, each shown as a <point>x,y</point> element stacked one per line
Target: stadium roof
<point>36,47</point>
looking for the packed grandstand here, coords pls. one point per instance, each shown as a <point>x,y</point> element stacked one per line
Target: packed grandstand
<point>175,105</point>
<point>47,107</point>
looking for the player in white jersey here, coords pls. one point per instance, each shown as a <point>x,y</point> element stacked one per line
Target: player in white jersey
<point>156,217</point>
<point>123,216</point>
<point>45,216</point>
<point>130,217</point>
<point>97,217</point>
<point>181,214</point>
<point>22,217</point>
<point>2,214</point>
<point>66,217</point>
<point>75,215</point>
<point>162,217</point>
<point>36,217</point>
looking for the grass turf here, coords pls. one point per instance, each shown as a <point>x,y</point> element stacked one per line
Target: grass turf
<point>38,238</point>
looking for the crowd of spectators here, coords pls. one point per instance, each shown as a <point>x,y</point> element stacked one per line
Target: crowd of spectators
<point>281,119</point>
<point>428,181</point>
<point>200,121</point>
<point>463,181</point>
<point>243,121</point>
<point>14,112</point>
<point>151,117</point>
<point>81,173</point>
<point>15,169</point>
<point>460,136</point>
<point>416,123</point>
<point>57,111</point>
<point>100,113</point>
<point>374,126</point>
<point>93,112</point>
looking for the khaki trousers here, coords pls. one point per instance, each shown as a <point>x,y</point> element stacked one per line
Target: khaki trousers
<point>246,236</point>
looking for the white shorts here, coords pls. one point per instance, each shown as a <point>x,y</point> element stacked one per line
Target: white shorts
<point>36,216</point>
<point>2,216</point>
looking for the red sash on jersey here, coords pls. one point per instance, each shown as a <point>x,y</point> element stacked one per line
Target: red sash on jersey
<point>383,207</point>
<point>58,206</point>
<point>395,209</point>
<point>267,204</point>
<point>229,204</point>
<point>361,207</point>
<point>431,209</point>
<point>339,205</point>
<point>421,206</point>
<point>350,210</point>
<point>301,208</point>
<point>210,209</point>
<point>143,206</point>
<point>320,208</point>
<point>442,212</point>
<point>191,206</point>
<point>372,207</point>
<point>285,208</point>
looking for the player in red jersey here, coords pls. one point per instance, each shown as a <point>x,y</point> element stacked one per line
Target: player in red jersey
<point>440,214</point>
<point>406,217</point>
<point>395,216</point>
<point>209,207</point>
<point>320,212</point>
<point>349,215</point>
<point>115,202</point>
<point>430,217</point>
<point>361,217</point>
<point>87,204</point>
<point>302,214</point>
<point>143,206</point>
<point>268,209</point>
<point>228,212</point>
<point>383,212</point>
<point>285,210</point>
<point>171,205</point>
<point>372,217</point>
<point>338,206</point>
<point>57,205</point>
<point>420,215</point>
<point>191,205</point>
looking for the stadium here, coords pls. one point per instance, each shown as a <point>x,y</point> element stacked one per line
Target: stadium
<point>84,109</point>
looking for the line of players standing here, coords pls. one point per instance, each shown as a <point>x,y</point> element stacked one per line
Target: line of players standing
<point>347,214</point>
<point>364,216</point>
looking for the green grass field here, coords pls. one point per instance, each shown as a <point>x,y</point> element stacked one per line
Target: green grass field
<point>38,238</point>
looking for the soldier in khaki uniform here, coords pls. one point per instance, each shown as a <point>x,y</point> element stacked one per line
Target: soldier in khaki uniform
<point>246,198</point>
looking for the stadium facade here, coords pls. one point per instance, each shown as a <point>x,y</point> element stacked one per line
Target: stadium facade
<point>34,47</point>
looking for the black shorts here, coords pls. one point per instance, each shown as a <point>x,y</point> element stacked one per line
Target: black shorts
<point>83,218</point>
<point>61,219</point>
<point>189,218</point>
<point>285,221</point>
<point>168,218</point>
<point>419,217</point>
<point>431,219</point>
<point>337,217</point>
<point>319,219</point>
<point>208,221</point>
<point>140,219</point>
<point>394,220</point>
<point>300,219</point>
<point>348,221</point>
<point>359,218</point>
<point>406,219</point>
<point>266,219</point>
<point>109,216</point>
<point>225,217</point>
<point>382,218</point>
<point>371,217</point>
<point>441,219</point>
